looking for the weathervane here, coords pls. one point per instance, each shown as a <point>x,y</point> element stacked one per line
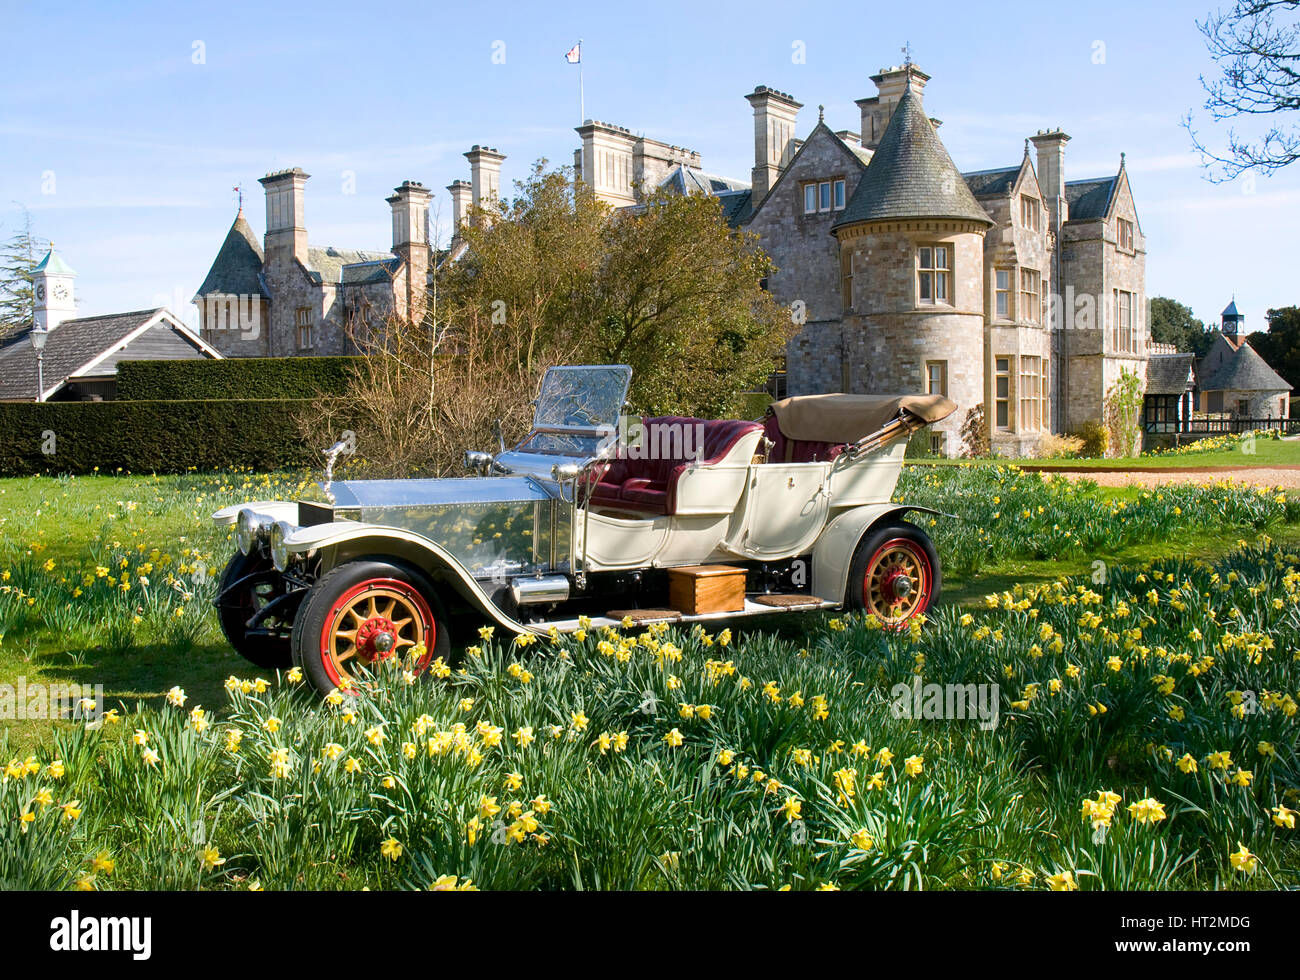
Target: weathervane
<point>907,54</point>
<point>239,189</point>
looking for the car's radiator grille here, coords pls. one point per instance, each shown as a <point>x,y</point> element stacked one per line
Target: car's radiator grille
<point>310,514</point>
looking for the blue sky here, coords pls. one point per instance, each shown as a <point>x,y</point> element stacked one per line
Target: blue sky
<point>125,144</point>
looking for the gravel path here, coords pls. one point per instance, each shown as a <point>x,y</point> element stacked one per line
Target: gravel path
<point>1269,476</point>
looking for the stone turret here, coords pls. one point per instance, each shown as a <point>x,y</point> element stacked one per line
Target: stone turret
<point>911,239</point>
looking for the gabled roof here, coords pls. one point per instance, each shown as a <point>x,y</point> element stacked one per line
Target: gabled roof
<point>911,174</point>
<point>237,269</point>
<point>1090,199</point>
<point>855,157</point>
<point>1245,370</point>
<point>1169,374</point>
<point>73,348</point>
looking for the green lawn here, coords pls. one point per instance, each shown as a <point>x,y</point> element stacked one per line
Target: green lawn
<point>755,732</point>
<point>66,624</point>
<point>1267,452</point>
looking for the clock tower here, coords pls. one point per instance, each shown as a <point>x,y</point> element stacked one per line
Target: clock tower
<point>52,285</point>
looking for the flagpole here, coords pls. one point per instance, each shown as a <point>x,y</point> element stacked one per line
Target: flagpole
<point>582,96</point>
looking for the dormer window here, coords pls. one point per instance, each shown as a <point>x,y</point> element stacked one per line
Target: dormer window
<point>820,196</point>
<point>1030,213</point>
<point>933,274</point>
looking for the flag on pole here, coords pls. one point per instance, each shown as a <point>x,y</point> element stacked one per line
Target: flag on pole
<point>574,55</point>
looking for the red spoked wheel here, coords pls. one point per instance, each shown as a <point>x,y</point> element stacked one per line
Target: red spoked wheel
<point>364,612</point>
<point>895,575</point>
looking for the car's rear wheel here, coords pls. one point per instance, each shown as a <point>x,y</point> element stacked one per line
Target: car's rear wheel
<point>248,585</point>
<point>364,612</point>
<point>895,574</point>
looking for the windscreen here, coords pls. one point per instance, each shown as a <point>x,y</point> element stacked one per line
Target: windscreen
<point>578,409</point>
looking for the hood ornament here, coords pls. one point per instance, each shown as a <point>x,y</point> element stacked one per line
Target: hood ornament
<point>331,455</point>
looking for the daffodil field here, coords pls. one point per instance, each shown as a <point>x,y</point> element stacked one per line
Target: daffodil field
<point>1145,734</point>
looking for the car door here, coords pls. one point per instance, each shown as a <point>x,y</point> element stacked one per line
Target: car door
<point>785,509</point>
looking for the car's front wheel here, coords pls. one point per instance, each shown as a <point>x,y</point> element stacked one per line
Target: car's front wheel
<point>366,611</point>
<point>249,587</point>
<point>895,574</point>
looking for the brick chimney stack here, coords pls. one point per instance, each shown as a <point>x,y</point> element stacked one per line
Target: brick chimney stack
<point>1050,145</point>
<point>775,114</point>
<point>286,223</point>
<point>462,199</point>
<point>877,110</point>
<point>410,204</point>
<point>485,174</point>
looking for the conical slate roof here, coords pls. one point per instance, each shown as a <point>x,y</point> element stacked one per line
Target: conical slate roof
<point>237,269</point>
<point>1245,370</point>
<point>911,174</point>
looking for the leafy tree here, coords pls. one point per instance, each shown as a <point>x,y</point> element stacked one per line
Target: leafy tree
<point>1280,345</point>
<point>666,288</point>
<point>1173,323</point>
<point>1256,46</point>
<point>18,257</point>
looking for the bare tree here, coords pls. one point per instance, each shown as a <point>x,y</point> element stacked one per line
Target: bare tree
<point>1256,46</point>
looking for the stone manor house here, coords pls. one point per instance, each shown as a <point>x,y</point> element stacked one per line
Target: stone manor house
<point>1012,288</point>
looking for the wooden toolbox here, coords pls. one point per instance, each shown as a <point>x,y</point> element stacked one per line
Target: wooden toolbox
<point>696,589</point>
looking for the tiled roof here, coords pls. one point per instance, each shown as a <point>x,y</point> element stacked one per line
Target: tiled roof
<point>69,346</point>
<point>1169,374</point>
<point>1090,199</point>
<point>911,175</point>
<point>237,270</point>
<point>1245,370</point>
<point>989,183</point>
<point>689,180</point>
<point>378,270</point>
<point>737,206</point>
<point>327,263</point>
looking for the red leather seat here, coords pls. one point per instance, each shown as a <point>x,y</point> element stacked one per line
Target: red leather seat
<point>670,444</point>
<point>797,450</point>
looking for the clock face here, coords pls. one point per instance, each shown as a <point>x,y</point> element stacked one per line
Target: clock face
<point>40,290</point>
<point>61,291</point>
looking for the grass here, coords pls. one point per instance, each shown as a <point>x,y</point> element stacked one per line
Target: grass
<point>778,781</point>
<point>1263,452</point>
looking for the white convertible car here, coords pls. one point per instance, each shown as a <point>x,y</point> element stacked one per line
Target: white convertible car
<point>591,520</point>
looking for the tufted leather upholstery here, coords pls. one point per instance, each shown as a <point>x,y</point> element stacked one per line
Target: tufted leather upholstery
<point>797,450</point>
<point>650,485</point>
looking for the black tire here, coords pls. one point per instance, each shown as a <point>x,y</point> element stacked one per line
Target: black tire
<point>884,553</point>
<point>269,647</point>
<point>368,581</point>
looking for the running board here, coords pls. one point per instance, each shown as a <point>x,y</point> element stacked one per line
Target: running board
<point>751,609</point>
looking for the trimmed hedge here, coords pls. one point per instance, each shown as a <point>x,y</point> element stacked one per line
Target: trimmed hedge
<point>234,377</point>
<point>152,436</point>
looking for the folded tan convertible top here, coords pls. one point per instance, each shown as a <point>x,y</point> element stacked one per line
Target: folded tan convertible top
<point>847,418</point>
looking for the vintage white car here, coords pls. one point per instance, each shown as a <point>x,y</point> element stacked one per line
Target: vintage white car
<point>593,518</point>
